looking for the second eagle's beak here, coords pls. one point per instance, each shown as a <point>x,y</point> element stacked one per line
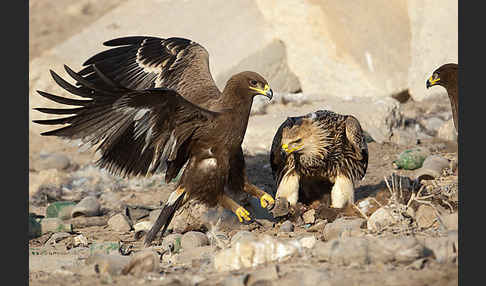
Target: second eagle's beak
<point>285,148</point>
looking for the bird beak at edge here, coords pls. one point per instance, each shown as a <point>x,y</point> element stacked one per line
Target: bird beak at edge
<point>431,81</point>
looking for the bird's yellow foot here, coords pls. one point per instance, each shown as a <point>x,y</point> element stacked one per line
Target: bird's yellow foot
<point>242,214</point>
<point>267,200</point>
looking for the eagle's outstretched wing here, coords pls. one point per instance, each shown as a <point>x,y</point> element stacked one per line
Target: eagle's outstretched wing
<point>137,130</point>
<point>141,62</point>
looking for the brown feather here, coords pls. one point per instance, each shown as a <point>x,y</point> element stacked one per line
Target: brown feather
<point>448,74</point>
<point>332,145</point>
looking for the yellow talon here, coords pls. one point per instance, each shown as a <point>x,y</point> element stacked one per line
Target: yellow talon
<point>241,213</point>
<point>266,200</point>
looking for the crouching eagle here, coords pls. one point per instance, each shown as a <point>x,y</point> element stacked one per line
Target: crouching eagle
<point>320,149</point>
<point>151,104</point>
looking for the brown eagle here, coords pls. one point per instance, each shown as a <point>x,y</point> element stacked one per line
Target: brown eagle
<point>446,76</point>
<point>320,149</point>
<point>150,104</point>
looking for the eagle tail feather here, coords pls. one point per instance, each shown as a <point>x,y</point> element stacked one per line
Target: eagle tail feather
<point>166,215</point>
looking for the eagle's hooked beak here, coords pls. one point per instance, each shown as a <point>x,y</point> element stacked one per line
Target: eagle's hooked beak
<point>288,150</point>
<point>266,91</point>
<point>431,81</point>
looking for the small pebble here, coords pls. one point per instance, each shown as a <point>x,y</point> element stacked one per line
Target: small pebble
<point>55,209</point>
<point>193,239</point>
<point>88,206</point>
<point>432,168</point>
<point>119,222</point>
<point>342,227</point>
<point>56,237</point>
<point>425,216</point>
<point>318,226</point>
<point>55,225</point>
<point>141,228</point>
<point>287,226</point>
<point>309,216</point>
<point>80,240</point>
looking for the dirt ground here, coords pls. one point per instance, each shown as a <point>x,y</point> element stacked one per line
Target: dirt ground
<point>71,16</point>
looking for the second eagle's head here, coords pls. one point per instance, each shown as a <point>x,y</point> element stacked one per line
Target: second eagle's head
<point>305,137</point>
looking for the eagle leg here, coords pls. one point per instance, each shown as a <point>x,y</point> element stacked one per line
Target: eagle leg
<point>228,203</point>
<point>266,201</point>
<point>342,192</point>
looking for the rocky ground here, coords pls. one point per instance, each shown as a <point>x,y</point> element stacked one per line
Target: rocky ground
<point>402,230</point>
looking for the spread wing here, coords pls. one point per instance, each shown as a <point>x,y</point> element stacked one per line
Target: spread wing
<point>146,62</point>
<point>278,158</point>
<point>355,137</point>
<point>136,130</point>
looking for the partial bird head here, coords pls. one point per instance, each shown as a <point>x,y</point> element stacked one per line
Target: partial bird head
<point>254,83</point>
<point>294,138</point>
<point>443,76</point>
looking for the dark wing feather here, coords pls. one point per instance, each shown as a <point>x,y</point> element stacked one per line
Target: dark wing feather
<point>136,130</point>
<point>355,137</point>
<point>278,158</point>
<point>147,62</point>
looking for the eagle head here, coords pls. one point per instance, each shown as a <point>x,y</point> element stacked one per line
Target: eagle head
<point>443,76</point>
<point>306,137</point>
<point>253,84</point>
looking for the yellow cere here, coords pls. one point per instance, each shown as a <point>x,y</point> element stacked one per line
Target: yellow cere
<point>433,81</point>
<point>289,151</point>
<point>264,91</point>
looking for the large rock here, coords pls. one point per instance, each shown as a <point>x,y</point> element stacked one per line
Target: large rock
<point>434,42</point>
<point>271,63</point>
<point>333,53</point>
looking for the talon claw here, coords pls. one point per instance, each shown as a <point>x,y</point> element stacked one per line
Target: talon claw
<point>242,214</point>
<point>267,201</point>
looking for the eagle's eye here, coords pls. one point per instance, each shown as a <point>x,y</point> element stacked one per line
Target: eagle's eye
<point>298,140</point>
<point>253,82</point>
<point>436,75</point>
